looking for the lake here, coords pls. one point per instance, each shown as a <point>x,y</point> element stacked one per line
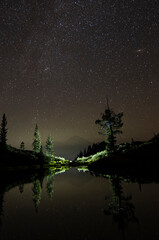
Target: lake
<point>75,204</point>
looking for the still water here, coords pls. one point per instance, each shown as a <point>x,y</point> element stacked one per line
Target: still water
<point>75,204</point>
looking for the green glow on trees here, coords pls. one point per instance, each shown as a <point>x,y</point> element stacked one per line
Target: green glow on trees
<point>36,140</point>
<point>49,146</point>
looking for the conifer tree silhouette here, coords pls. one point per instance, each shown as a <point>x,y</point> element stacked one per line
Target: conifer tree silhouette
<point>110,125</point>
<point>3,131</point>
<point>36,140</point>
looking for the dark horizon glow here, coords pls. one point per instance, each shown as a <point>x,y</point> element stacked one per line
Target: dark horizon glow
<point>59,60</point>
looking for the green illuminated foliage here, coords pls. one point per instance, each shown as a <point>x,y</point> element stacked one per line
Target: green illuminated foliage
<point>49,147</point>
<point>36,140</point>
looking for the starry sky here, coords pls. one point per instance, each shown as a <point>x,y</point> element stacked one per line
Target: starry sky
<point>60,59</point>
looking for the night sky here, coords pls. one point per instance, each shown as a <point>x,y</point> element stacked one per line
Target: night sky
<point>60,59</point>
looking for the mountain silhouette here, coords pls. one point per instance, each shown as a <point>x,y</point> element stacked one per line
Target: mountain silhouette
<point>71,147</point>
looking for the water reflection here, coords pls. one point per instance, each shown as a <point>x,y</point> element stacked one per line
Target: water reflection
<point>21,177</point>
<point>119,206</point>
<point>50,186</point>
<point>85,206</point>
<point>37,189</point>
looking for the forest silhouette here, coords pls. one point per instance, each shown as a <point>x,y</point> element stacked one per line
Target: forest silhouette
<point>98,157</point>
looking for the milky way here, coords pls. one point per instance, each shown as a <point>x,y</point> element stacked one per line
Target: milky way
<point>59,60</point>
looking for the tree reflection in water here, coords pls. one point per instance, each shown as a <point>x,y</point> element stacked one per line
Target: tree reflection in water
<point>119,205</point>
<point>50,186</point>
<point>21,177</point>
<point>37,190</point>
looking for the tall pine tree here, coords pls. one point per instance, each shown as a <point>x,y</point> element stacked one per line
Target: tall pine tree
<point>49,146</point>
<point>36,140</point>
<point>3,131</point>
<point>110,124</point>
